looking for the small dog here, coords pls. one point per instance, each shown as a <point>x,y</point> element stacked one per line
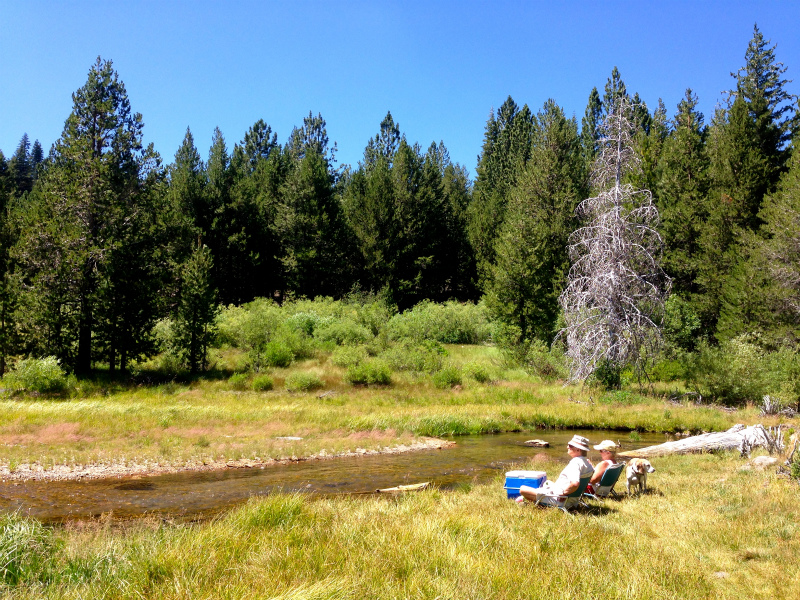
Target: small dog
<point>636,474</point>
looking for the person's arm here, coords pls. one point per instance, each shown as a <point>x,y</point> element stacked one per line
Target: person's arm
<point>598,472</point>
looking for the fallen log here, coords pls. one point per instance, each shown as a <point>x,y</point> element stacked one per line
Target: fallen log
<point>737,437</point>
<point>414,487</point>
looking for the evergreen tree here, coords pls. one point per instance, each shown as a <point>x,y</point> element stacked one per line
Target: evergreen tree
<point>8,287</point>
<point>196,311</point>
<point>84,210</point>
<point>777,257</point>
<point>680,195</point>
<point>310,227</point>
<point>589,127</point>
<point>532,259</point>
<point>21,168</point>
<point>505,152</point>
<point>615,90</point>
<point>739,173</point>
<point>384,144</point>
<point>761,85</point>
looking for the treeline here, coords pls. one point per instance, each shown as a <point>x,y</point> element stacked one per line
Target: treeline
<point>100,239</point>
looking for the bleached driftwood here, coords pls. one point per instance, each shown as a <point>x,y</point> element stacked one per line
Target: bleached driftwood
<point>737,437</point>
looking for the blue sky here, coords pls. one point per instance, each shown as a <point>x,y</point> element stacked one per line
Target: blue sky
<point>438,66</point>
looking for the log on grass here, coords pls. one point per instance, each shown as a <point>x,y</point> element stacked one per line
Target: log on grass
<point>737,437</point>
<point>414,487</point>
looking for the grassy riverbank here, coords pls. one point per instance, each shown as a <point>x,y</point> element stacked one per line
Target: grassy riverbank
<point>214,421</point>
<point>710,527</point>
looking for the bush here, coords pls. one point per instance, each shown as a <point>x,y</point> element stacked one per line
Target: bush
<point>448,323</point>
<point>43,375</point>
<point>608,375</point>
<point>303,382</point>
<point>477,371</point>
<point>531,354</point>
<point>238,381</point>
<point>276,354</point>
<point>263,383</point>
<point>448,377</point>
<point>374,372</point>
<point>732,373</point>
<point>349,356</point>
<point>341,332</point>
<point>422,358</point>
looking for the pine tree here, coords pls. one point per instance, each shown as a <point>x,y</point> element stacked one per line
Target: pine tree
<point>505,152</point>
<point>680,195</point>
<point>196,311</point>
<point>589,127</point>
<point>531,251</point>
<point>9,342</point>
<point>86,207</point>
<point>22,170</point>
<point>761,85</point>
<point>310,228</point>
<point>777,255</point>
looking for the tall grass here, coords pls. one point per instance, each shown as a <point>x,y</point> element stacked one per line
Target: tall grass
<point>701,532</point>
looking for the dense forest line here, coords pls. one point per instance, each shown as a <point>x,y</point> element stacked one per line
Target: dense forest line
<point>100,239</point>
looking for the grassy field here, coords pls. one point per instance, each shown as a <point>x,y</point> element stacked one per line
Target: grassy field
<point>215,420</point>
<point>711,527</point>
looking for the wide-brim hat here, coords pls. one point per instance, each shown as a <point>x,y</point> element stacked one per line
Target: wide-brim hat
<point>579,442</point>
<point>606,445</point>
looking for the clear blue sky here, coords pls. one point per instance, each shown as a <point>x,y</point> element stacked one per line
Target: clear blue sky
<point>439,66</point>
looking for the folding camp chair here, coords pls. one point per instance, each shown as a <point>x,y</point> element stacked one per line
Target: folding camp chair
<point>566,502</point>
<point>607,482</point>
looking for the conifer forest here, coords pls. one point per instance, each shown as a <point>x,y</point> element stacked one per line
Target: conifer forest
<point>101,238</point>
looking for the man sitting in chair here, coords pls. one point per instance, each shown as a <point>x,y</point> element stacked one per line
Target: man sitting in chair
<point>569,480</point>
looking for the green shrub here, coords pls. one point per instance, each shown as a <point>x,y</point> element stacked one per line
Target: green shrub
<point>449,323</point>
<point>375,372</point>
<point>341,332</point>
<point>681,324</point>
<point>275,354</point>
<point>477,371</point>
<point>263,383</point>
<point>668,370</point>
<point>43,375</point>
<point>27,550</point>
<point>533,355</point>
<point>303,382</point>
<point>447,377</point>
<point>349,356</point>
<point>608,375</point>
<point>238,381</point>
<point>420,358</point>
<point>732,373</point>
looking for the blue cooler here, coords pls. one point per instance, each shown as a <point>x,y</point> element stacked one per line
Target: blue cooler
<point>515,479</point>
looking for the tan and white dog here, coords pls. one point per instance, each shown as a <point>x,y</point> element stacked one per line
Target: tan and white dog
<point>636,474</point>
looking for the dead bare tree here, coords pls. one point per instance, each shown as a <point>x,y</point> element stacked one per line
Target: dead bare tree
<point>613,303</point>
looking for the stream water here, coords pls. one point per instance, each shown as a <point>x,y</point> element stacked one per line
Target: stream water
<point>190,495</point>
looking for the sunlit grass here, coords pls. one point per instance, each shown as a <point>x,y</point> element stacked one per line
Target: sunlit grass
<point>207,420</point>
<point>707,529</point>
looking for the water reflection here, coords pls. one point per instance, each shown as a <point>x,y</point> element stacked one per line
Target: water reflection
<point>195,495</point>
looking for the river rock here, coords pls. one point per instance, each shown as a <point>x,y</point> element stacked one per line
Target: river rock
<point>537,443</point>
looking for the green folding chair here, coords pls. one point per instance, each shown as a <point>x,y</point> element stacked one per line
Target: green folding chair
<point>568,501</point>
<point>605,486</point>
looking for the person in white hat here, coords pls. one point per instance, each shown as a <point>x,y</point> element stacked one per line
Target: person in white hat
<point>608,452</point>
<point>569,479</point>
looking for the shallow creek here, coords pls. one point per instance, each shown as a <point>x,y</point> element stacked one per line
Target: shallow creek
<point>197,495</point>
